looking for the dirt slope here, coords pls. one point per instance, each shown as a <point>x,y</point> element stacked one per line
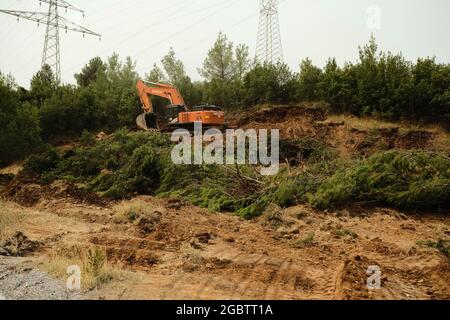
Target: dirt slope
<point>348,135</point>
<point>195,254</point>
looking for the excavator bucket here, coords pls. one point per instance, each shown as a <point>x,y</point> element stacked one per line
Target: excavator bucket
<point>147,122</point>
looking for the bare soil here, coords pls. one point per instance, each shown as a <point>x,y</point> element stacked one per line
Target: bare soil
<point>196,254</point>
<point>311,121</point>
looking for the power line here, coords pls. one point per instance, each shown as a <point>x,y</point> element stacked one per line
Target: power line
<point>21,44</point>
<point>164,20</point>
<point>229,27</point>
<point>153,24</point>
<point>184,49</point>
<point>229,4</point>
<point>54,22</point>
<point>145,14</point>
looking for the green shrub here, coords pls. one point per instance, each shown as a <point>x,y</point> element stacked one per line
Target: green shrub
<point>43,162</point>
<point>19,124</point>
<point>402,179</point>
<point>293,188</point>
<point>87,138</point>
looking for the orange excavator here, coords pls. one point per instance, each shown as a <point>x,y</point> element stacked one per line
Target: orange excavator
<point>176,115</point>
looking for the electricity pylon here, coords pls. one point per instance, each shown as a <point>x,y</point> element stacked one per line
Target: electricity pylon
<point>269,48</point>
<point>54,22</point>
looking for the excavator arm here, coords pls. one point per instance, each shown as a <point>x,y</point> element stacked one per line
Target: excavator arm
<point>157,89</point>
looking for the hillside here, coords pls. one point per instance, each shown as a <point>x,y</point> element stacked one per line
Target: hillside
<point>182,236</point>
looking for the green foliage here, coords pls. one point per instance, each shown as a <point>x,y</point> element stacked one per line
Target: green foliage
<point>403,179</point>
<point>44,161</point>
<point>384,85</point>
<point>87,138</point>
<point>70,111</point>
<point>224,69</point>
<point>292,188</point>
<point>19,124</point>
<point>105,98</point>
<point>219,63</point>
<point>43,84</point>
<point>91,72</point>
<point>156,74</point>
<point>269,83</point>
<point>242,61</point>
<point>116,94</point>
<point>94,262</point>
<point>308,81</point>
<point>127,163</point>
<point>174,72</point>
<point>336,86</point>
<point>430,95</point>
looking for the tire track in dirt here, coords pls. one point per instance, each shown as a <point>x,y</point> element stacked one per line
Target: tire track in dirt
<point>246,280</point>
<point>171,288</point>
<point>184,277</point>
<point>208,284</point>
<point>203,288</point>
<point>273,276</point>
<point>272,291</point>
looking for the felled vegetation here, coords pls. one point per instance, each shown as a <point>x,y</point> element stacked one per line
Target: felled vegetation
<point>128,164</point>
<point>403,179</point>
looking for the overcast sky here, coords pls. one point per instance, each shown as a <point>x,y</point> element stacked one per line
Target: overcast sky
<point>146,29</point>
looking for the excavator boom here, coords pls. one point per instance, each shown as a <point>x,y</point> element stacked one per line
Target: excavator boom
<point>158,89</point>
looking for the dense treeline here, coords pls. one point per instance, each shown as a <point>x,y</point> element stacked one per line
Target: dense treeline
<point>382,85</point>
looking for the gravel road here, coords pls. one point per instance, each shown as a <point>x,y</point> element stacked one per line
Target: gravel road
<point>19,281</point>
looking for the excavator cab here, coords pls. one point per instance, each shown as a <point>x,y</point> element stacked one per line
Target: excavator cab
<point>172,113</point>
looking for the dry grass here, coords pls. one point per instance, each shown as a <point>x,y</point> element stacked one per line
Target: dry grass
<point>362,123</point>
<point>12,169</point>
<point>131,211</point>
<point>372,123</point>
<point>95,269</point>
<point>441,141</point>
<point>306,242</point>
<point>192,257</point>
<point>139,212</point>
<point>10,221</point>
